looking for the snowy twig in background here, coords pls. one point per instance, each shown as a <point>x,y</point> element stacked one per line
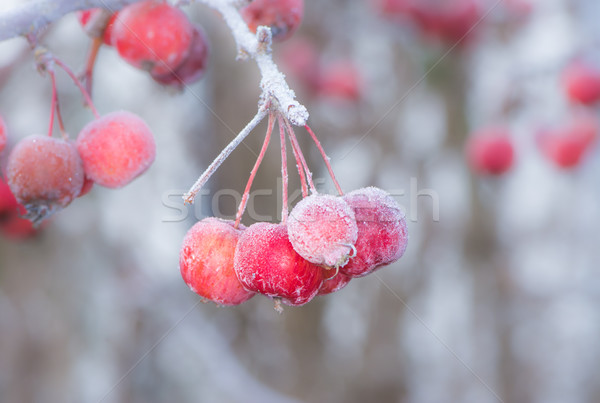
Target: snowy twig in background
<point>258,47</point>
<point>29,17</point>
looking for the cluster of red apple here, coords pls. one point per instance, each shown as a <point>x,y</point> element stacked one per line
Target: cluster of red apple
<point>491,150</point>
<point>153,36</point>
<point>325,242</point>
<point>45,174</point>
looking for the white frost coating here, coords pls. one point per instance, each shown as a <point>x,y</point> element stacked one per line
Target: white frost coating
<point>273,82</point>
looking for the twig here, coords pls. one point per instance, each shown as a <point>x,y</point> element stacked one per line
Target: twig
<point>258,47</point>
<point>191,194</point>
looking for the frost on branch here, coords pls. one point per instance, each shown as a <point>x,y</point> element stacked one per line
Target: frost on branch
<point>258,47</point>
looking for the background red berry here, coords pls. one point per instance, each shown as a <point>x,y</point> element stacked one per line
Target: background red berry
<point>193,66</point>
<point>86,17</point>
<point>3,134</point>
<point>282,16</point>
<point>116,148</point>
<point>153,36</point>
<point>582,83</point>
<point>490,151</point>
<point>45,174</point>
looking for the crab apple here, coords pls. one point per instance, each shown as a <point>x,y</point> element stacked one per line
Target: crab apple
<point>581,83</point>
<point>567,146</point>
<point>206,261</point>
<point>333,281</point>
<point>3,134</point>
<point>116,148</point>
<point>8,202</point>
<point>448,20</point>
<point>282,16</point>
<point>87,19</point>
<point>88,184</point>
<point>490,151</point>
<point>265,262</point>
<point>300,59</point>
<point>382,233</point>
<point>193,67</point>
<point>15,227</point>
<point>45,174</point>
<point>392,7</point>
<point>341,80</point>
<point>153,35</point>
<point>322,229</point>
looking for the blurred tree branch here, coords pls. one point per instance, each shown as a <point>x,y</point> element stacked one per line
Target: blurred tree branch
<point>31,16</point>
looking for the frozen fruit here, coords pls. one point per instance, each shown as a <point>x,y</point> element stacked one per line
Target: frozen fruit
<point>45,174</point>
<point>323,230</point>
<point>265,262</point>
<point>116,149</point>
<point>153,35</point>
<point>206,262</point>
<point>382,233</point>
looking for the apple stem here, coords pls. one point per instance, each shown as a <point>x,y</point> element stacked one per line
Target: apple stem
<point>284,175</point>
<point>88,74</point>
<point>263,150</point>
<point>295,144</point>
<point>84,92</point>
<point>191,194</point>
<point>325,158</point>
<point>56,107</point>
<point>298,164</point>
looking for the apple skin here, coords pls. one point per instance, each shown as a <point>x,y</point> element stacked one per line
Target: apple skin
<point>382,233</point>
<point>206,261</point>
<point>265,262</point>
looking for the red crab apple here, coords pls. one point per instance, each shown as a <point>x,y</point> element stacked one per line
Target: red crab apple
<point>193,67</point>
<point>333,281</point>
<point>8,202</point>
<point>87,18</point>
<point>153,35</point>
<point>300,59</point>
<point>341,80</point>
<point>490,151</point>
<point>3,134</point>
<point>265,262</point>
<point>206,261</point>
<point>322,229</point>
<point>116,148</point>
<point>382,234</point>
<point>448,20</point>
<point>282,16</point>
<point>567,146</point>
<point>45,174</point>
<point>581,83</point>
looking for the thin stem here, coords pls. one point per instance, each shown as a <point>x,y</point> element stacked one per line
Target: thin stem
<point>52,103</point>
<point>295,143</point>
<point>88,74</point>
<point>84,92</point>
<point>326,159</point>
<point>263,150</point>
<point>303,184</point>
<point>191,194</point>
<point>56,102</point>
<point>284,176</point>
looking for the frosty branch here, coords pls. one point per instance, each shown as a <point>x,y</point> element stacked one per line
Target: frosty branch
<point>30,17</point>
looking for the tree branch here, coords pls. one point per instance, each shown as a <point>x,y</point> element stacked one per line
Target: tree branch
<point>31,16</point>
<point>258,47</point>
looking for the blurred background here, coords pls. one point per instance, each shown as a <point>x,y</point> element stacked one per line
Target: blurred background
<point>497,298</point>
